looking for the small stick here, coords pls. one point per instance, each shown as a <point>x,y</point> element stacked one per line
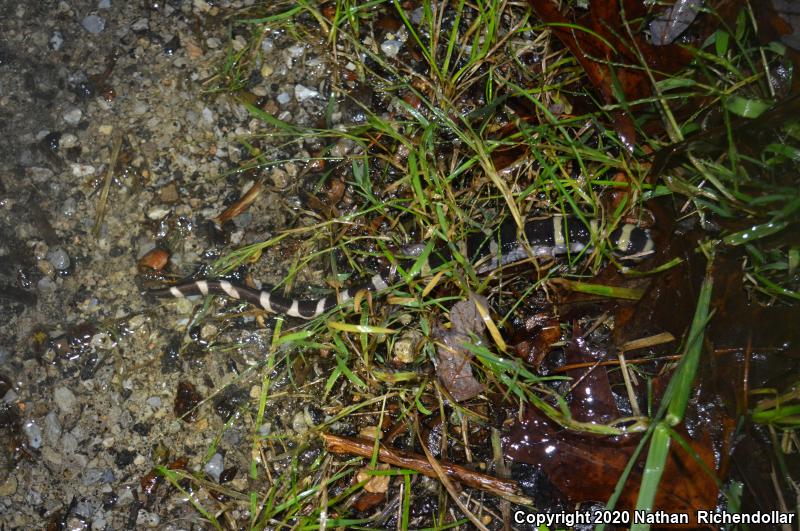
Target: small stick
<point>103,201</point>
<point>504,488</point>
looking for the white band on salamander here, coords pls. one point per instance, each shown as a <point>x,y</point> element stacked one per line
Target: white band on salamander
<point>263,300</point>
<point>229,290</point>
<point>202,285</point>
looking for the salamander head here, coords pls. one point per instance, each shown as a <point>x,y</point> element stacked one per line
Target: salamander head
<point>632,242</point>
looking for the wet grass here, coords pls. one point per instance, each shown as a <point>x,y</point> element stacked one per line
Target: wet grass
<point>445,113</point>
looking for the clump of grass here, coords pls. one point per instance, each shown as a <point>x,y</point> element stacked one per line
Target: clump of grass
<point>425,167</point>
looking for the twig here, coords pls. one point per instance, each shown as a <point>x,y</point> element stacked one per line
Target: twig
<point>504,488</point>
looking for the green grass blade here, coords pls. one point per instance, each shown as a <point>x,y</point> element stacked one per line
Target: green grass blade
<point>653,470</point>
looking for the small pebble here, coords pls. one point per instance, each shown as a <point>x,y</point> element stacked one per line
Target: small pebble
<point>157,212</point>
<point>102,341</point>
<point>283,98</point>
<point>136,322</point>
<point>46,284</point>
<point>69,207</point>
<point>266,70</point>
<point>104,4</point>
<point>52,427</point>
<point>147,519</point>
<point>169,193</point>
<point>69,444</point>
<point>45,267</point>
<point>208,331</point>
<point>214,466</point>
<point>299,424</point>
<point>296,50</point>
<point>8,487</point>
<point>142,24</point>
<point>391,48</point>
<point>39,174</point>
<point>59,258</point>
<point>34,434</point>
<point>93,24</point>
<point>82,170</point>
<point>302,93</point>
<point>68,140</point>
<point>155,259</point>
<point>56,41</point>
<point>65,399</point>
<point>154,402</point>
<point>105,129</point>
<point>73,116</point>
<point>92,476</point>
<point>10,397</point>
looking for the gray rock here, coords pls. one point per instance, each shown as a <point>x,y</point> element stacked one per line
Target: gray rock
<point>56,41</point>
<point>34,434</point>
<point>142,24</point>
<point>65,399</point>
<point>94,24</point>
<point>283,98</point>
<point>73,116</point>
<point>52,427</point>
<point>214,466</point>
<point>59,258</point>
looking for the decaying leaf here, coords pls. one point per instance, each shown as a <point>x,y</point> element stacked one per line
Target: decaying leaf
<point>453,359</point>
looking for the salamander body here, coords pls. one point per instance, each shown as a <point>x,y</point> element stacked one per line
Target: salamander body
<point>556,235</point>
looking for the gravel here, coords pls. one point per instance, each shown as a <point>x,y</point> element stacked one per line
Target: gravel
<point>84,354</point>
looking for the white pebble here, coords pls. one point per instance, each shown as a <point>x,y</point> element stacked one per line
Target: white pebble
<point>296,50</point>
<point>73,116</point>
<point>82,170</point>
<point>34,434</point>
<point>283,98</point>
<point>302,93</point>
<point>157,212</point>
<point>93,24</point>
<point>65,399</point>
<point>102,341</point>
<point>391,48</point>
<point>299,424</point>
<point>214,466</point>
<point>104,4</point>
<point>68,140</point>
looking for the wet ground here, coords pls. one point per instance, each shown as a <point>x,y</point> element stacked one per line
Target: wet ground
<point>88,382</point>
<point>115,144</point>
